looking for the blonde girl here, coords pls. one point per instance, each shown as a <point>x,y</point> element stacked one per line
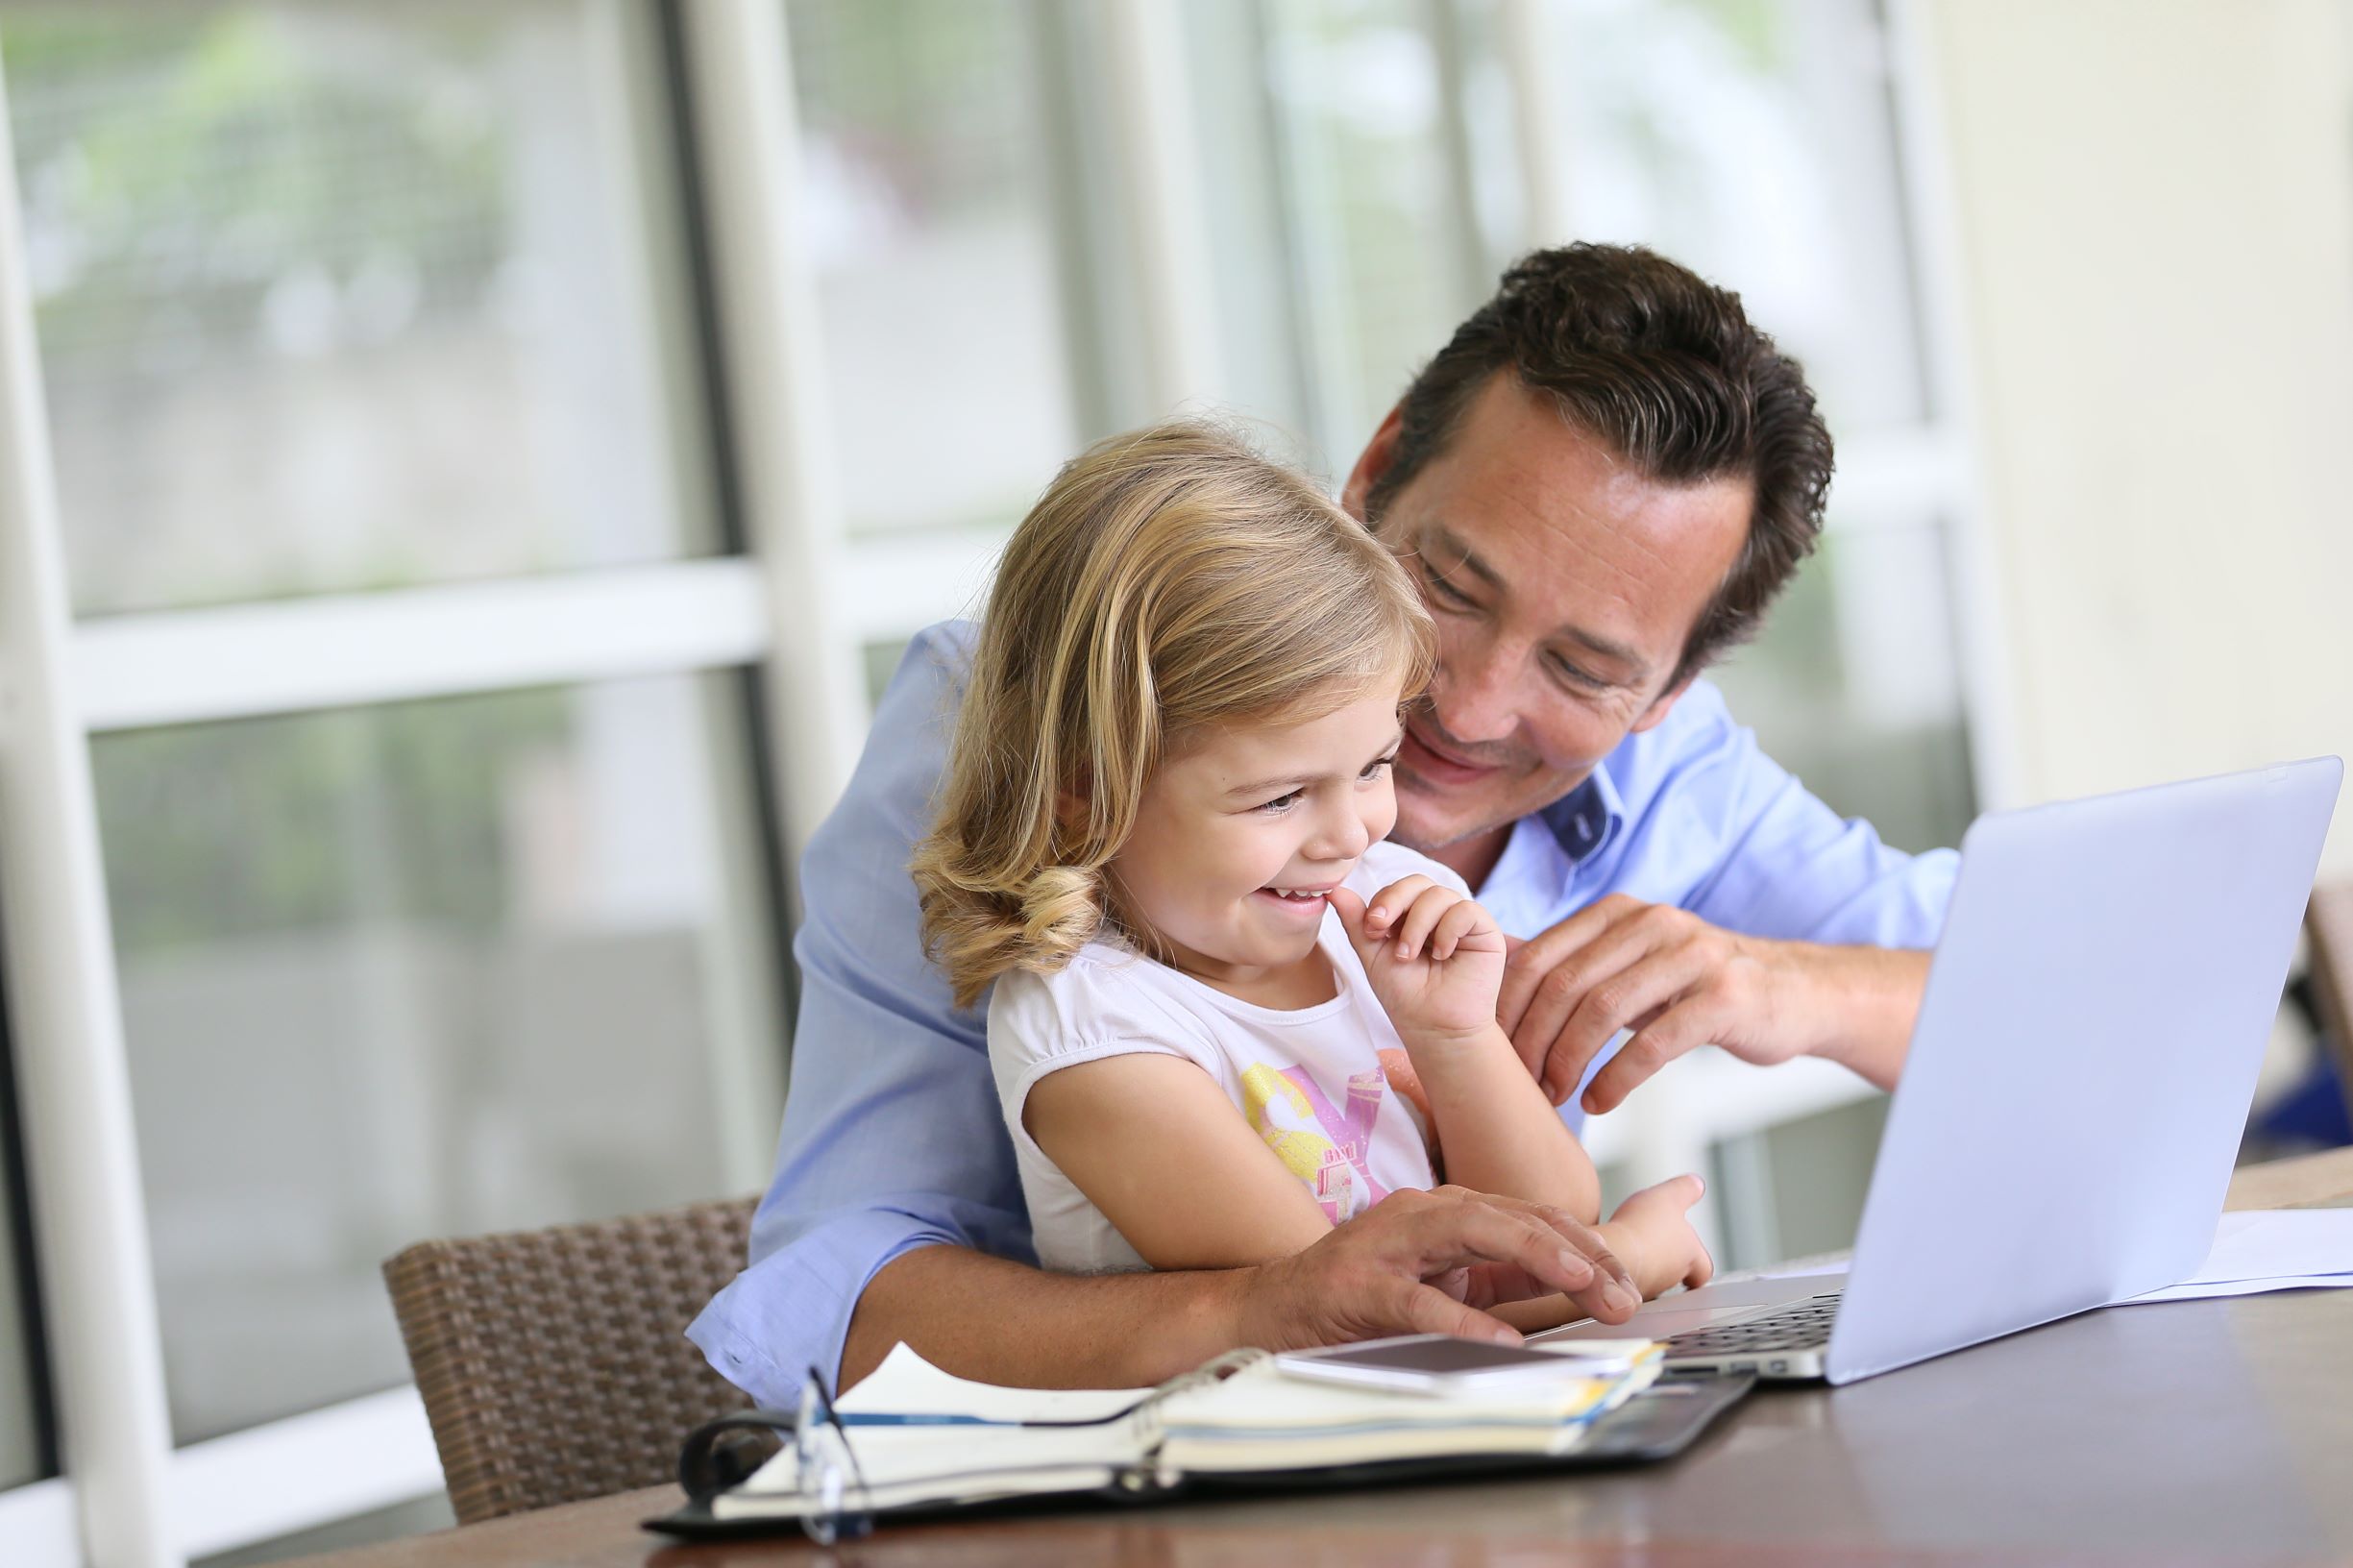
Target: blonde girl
<point>1227,1015</point>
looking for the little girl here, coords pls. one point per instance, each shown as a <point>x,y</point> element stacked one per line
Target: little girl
<point>1227,1015</point>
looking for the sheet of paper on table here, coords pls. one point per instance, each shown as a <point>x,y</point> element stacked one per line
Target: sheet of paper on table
<point>2254,1252</point>
<point>2270,1249</point>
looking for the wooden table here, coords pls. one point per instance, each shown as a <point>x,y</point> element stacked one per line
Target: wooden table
<point>2195,1433</point>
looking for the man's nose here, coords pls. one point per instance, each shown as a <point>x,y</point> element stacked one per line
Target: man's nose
<point>1475,694</point>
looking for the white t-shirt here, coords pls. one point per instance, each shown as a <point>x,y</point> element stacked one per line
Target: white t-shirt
<point>1311,1081</point>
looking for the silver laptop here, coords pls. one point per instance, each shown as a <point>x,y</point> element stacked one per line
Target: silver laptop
<point>2079,1078</point>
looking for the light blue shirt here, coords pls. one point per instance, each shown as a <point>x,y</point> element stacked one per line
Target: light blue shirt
<point>893,1138</point>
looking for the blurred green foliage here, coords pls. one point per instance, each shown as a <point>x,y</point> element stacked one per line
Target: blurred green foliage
<point>177,162</point>
<point>396,813</point>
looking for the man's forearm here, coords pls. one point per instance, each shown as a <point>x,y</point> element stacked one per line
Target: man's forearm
<point>998,1322</point>
<point>1870,999</point>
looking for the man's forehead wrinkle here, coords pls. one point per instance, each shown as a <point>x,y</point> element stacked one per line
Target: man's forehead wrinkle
<point>1572,529</point>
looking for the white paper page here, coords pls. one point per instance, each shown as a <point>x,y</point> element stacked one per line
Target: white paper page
<point>2243,1288</point>
<point>2270,1249</point>
<point>1262,1397</point>
<point>2270,1244</point>
<point>907,1384</point>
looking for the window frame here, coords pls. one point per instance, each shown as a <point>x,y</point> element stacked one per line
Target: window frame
<point>793,603</point>
<point>129,1495</point>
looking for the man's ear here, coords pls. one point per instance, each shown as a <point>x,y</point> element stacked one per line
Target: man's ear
<point>1375,460</point>
<point>1660,705</point>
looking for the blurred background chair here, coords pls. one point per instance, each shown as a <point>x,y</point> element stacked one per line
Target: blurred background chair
<point>554,1363</point>
<point>2328,926</point>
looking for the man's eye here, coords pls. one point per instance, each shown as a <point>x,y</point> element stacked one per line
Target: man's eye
<point>1575,677</point>
<point>1280,803</point>
<point>1445,590</point>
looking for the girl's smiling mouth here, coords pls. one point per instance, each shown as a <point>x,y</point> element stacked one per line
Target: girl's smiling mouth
<point>1300,900</point>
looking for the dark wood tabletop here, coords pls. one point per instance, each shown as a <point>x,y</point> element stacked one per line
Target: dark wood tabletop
<point>2193,1432</point>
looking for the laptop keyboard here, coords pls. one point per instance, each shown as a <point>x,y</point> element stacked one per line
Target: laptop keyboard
<point>1804,1324</point>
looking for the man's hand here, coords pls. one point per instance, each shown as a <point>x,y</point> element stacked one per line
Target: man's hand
<point>1427,1263</point>
<point>1679,982</point>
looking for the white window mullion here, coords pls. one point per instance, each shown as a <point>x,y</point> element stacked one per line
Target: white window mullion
<point>307,1470</point>
<point>894,586</point>
<point>1931,214</point>
<point>748,145</point>
<point>1538,134</point>
<point>38,1524</point>
<point>1901,477</point>
<point>349,649</point>
<point>1158,184</point>
<point>82,1153</point>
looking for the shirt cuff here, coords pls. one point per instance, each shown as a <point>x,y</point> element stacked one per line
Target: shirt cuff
<point>790,1311</point>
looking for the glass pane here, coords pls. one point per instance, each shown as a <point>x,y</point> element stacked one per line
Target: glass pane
<point>339,296</point>
<point>424,969</point>
<point>22,1452</point>
<point>1796,1188</point>
<point>1853,684</point>
<point>1752,140</point>
<point>1261,342</point>
<point>1389,255</point>
<point>930,199</point>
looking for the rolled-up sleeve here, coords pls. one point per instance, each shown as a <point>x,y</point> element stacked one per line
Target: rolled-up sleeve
<point>892,1139</point>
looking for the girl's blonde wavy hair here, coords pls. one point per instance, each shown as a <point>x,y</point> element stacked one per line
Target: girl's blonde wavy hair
<point>1168,579</point>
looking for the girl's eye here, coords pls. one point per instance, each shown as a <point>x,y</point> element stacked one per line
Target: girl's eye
<point>1373,772</point>
<point>1280,803</point>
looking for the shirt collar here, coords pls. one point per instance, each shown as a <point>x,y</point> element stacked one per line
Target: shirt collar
<point>1586,820</point>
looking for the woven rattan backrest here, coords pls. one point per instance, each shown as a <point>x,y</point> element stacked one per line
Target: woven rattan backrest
<point>553,1363</point>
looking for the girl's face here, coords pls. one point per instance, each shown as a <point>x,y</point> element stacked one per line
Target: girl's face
<point>1240,835</point>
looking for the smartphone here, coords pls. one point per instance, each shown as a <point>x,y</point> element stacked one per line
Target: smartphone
<point>1439,1363</point>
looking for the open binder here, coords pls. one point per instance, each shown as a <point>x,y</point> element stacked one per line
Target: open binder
<point>928,1443</point>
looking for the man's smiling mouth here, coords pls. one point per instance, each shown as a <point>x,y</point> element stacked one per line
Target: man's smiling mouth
<point>1441,763</point>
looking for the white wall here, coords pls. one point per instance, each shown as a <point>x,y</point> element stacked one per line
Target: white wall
<point>2154,206</point>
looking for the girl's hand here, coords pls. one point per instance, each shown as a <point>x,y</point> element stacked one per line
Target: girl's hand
<point>1435,958</point>
<point>1652,1231</point>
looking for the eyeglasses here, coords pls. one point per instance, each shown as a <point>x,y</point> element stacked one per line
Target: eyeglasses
<point>835,1504</point>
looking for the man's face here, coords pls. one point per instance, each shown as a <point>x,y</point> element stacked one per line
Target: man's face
<point>1563,583</point>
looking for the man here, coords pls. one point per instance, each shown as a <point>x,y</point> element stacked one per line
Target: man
<point>1600,483</point>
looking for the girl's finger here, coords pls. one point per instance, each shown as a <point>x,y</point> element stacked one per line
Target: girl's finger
<point>1457,924</point>
<point>1413,929</point>
<point>1353,920</point>
<point>1392,901</point>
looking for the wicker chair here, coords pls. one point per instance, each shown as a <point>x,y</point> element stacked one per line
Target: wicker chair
<point>553,1363</point>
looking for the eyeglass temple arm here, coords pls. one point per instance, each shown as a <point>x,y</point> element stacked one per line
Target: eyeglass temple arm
<point>715,1455</point>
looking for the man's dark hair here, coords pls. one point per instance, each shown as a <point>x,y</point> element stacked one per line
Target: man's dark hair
<point>1663,368</point>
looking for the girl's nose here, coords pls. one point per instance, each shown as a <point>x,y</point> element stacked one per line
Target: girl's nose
<point>1340,835</point>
